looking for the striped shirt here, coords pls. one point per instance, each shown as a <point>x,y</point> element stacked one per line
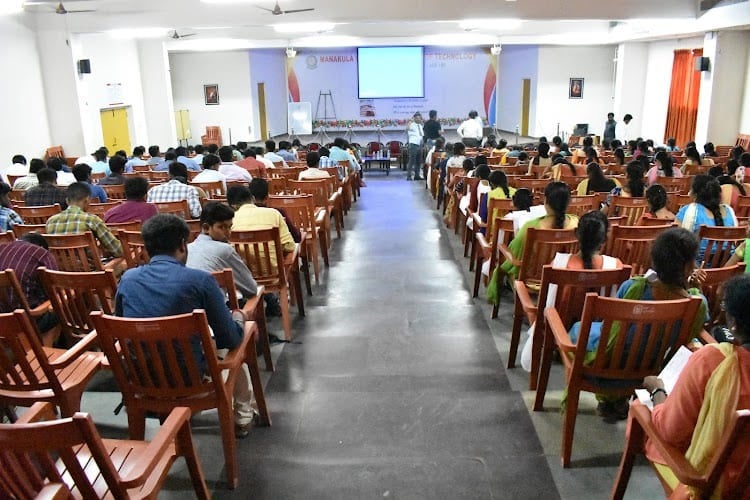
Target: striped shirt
<point>175,190</point>
<point>73,220</point>
<point>25,259</point>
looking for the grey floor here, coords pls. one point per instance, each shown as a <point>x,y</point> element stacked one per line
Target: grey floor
<point>395,385</point>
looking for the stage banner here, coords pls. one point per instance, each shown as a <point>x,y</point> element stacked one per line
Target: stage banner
<point>457,80</point>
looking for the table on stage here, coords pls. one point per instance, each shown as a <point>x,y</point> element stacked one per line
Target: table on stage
<point>382,162</point>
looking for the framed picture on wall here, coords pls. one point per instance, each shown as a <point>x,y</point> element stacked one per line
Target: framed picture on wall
<point>575,91</point>
<point>211,93</point>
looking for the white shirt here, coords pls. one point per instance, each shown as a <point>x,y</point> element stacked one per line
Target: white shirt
<point>233,172</point>
<point>65,178</point>
<point>622,131</point>
<point>268,163</point>
<point>211,175</point>
<point>87,159</point>
<point>312,173</point>
<point>415,133</point>
<point>470,129</point>
<point>273,157</point>
<point>15,169</point>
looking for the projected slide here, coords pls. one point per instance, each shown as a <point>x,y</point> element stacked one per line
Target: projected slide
<point>390,72</point>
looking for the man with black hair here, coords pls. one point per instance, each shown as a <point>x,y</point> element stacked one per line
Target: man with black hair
<point>271,154</point>
<point>313,171</point>
<point>46,192</point>
<point>254,166</point>
<point>285,151</point>
<point>471,131</point>
<point>64,178</point>
<point>100,165</point>
<point>260,156</point>
<point>210,171</point>
<point>229,170</point>
<point>198,158</point>
<point>75,219</point>
<point>18,167</point>
<point>82,173</point>
<point>30,180</point>
<point>211,250</point>
<point>133,161</point>
<point>155,155</point>
<point>135,207</point>
<point>163,166</point>
<point>250,212</point>
<point>117,165</point>
<point>177,189</point>
<point>339,152</point>
<point>622,129</point>
<point>181,153</point>
<point>166,287</point>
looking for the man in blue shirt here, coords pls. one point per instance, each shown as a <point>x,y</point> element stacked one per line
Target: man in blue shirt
<point>155,155</point>
<point>82,173</point>
<point>165,287</point>
<point>285,151</point>
<point>339,153</point>
<point>181,153</point>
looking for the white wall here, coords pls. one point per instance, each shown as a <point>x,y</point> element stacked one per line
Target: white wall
<point>517,62</point>
<point>269,66</point>
<point>157,92</point>
<point>658,82</point>
<point>745,114</point>
<point>630,84</point>
<point>556,66</point>
<point>231,72</point>
<point>24,128</point>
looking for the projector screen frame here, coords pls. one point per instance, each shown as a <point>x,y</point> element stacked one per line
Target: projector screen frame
<point>422,47</point>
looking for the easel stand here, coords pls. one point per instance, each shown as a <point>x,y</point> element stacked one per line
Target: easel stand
<point>322,136</point>
<point>350,136</point>
<point>324,98</point>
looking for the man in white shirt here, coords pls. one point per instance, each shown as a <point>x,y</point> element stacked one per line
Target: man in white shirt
<point>470,131</point>
<point>622,129</point>
<point>261,158</point>
<point>18,168</point>
<point>313,171</point>
<point>271,153</point>
<point>415,136</point>
<point>63,178</point>
<point>211,172</point>
<point>228,169</point>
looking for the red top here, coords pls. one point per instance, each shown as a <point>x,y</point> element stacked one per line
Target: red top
<point>131,211</point>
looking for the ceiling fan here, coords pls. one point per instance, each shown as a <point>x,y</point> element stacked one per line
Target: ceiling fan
<point>276,11</point>
<point>176,36</point>
<point>59,8</point>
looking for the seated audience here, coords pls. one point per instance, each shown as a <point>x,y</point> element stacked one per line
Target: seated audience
<point>117,165</point>
<point>18,167</point>
<point>155,154</point>
<point>176,189</point>
<point>46,192</point>
<point>75,219</point>
<point>634,187</point>
<point>100,164</point>
<point>252,164</point>
<point>30,179</point>
<point>313,171</point>
<point>340,152</point>
<point>713,385</point>
<point>8,216</point>
<point>285,151</point>
<point>134,208</point>
<point>692,157</point>
<point>260,156</point>
<point>163,166</point>
<point>542,159</point>
<point>133,161</point>
<point>596,182</point>
<point>82,173</point>
<point>198,158</point>
<point>731,188</point>
<point>229,169</point>
<point>709,150</point>
<point>271,154</point>
<point>657,196</point>
<point>259,193</point>
<point>741,254</point>
<point>64,176</point>
<point>181,154</point>
<point>211,250</point>
<point>663,167</point>
<point>165,287</point>
<point>672,145</point>
<point>210,171</point>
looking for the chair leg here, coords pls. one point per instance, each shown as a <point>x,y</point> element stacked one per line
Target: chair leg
<point>477,272</point>
<point>226,421</point>
<point>186,448</point>
<point>472,250</point>
<point>306,271</point>
<point>285,319</point>
<point>634,439</point>
<point>251,360</point>
<point>515,335</point>
<point>544,368</point>
<point>136,423</point>
<point>569,424</point>
<point>298,293</point>
<point>324,247</point>
<point>313,252</point>
<point>537,343</point>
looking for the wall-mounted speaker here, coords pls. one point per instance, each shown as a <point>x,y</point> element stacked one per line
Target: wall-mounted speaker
<point>84,66</point>
<point>702,63</point>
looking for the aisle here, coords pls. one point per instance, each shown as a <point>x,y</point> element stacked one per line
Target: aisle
<point>395,389</point>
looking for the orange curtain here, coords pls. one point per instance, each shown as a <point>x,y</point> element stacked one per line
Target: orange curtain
<point>682,112</point>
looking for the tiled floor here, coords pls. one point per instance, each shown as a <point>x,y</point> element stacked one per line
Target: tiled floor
<point>395,386</point>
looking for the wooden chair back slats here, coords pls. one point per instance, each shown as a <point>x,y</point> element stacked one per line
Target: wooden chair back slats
<point>157,176</point>
<point>74,295</point>
<point>21,229</point>
<point>133,248</point>
<point>743,207</point>
<point>114,191</point>
<point>115,227</point>
<point>711,287</point>
<point>540,249</point>
<point>680,185</point>
<point>579,205</point>
<point>630,207</point>
<point>317,188</point>
<point>497,208</point>
<point>75,252</point>
<point>99,209</point>
<point>632,245</point>
<point>178,208</point>
<point>276,185</point>
<point>536,186</point>
<point>720,243</point>
<point>37,215</point>
<point>647,221</point>
<point>214,190</point>
<point>255,248</point>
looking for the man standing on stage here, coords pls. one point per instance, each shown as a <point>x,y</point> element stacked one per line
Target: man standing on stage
<point>415,134</point>
<point>609,129</point>
<point>432,130</point>
<point>470,131</point>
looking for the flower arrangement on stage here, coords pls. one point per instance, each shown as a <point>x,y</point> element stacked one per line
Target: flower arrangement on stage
<point>383,123</point>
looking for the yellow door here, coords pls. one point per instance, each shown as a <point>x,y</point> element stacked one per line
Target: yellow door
<point>115,130</point>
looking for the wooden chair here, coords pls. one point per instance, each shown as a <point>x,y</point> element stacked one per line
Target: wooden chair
<point>214,190</point>
<point>31,373</point>
<point>711,287</point>
<point>539,249</point>
<point>654,330</point>
<point>319,189</point>
<point>679,185</point>
<point>254,309</point>
<point>7,237</point>
<point>536,186</point>
<point>496,208</point>
<point>629,207</point>
<point>676,201</point>
<point>114,191</point>
<point>256,247</point>
<point>570,287</point>
<point>212,136</point>
<point>78,252</point>
<point>647,221</point>
<point>99,209</point>
<point>487,249</point>
<point>116,227</point>
<point>19,230</point>
<point>69,455</point>
<point>458,217</point>
<point>276,185</point>
<point>74,295</point>
<point>133,248</point>
<point>37,215</point>
<point>743,207</point>
<point>632,245</point>
<point>178,208</point>
<point>301,210</point>
<point>336,203</point>
<point>13,297</point>
<point>157,176</point>
<point>720,243</point>
<point>579,205</point>
<point>704,483</point>
<point>177,378</point>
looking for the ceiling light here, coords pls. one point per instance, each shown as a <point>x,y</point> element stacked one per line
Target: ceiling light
<point>316,27</point>
<point>489,24</point>
<point>130,33</point>
<point>291,53</point>
<point>496,49</point>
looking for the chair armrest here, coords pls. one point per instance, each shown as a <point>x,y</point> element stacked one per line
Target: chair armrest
<point>235,357</point>
<point>55,491</point>
<point>529,306</point>
<point>82,347</point>
<point>484,246</point>
<point>153,454</point>
<point>555,324</point>
<point>37,413</point>
<point>251,305</point>
<point>41,309</point>
<point>508,255</point>
<point>478,222</point>
<point>320,217</point>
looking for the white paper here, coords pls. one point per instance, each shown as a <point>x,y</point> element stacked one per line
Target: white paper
<point>668,375</point>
